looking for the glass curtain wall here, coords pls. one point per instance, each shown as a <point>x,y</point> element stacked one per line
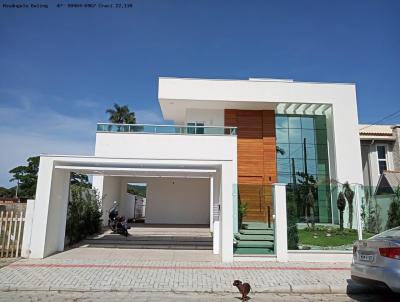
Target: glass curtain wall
<point>302,163</point>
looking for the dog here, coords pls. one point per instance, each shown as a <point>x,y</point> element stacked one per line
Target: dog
<point>244,289</point>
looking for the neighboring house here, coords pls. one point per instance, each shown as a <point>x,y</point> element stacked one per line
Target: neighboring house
<point>380,151</point>
<point>220,150</point>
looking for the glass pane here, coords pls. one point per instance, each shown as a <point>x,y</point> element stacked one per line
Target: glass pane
<point>298,165</point>
<point>295,136</point>
<point>309,135</point>
<point>381,152</point>
<point>322,167</point>
<point>294,122</point>
<point>284,178</point>
<point>283,166</point>
<point>282,136</point>
<point>284,148</point>
<point>321,137</point>
<point>310,151</point>
<point>296,150</point>
<point>322,152</point>
<point>307,122</point>
<point>312,167</point>
<point>282,122</point>
<point>320,122</point>
<point>382,166</point>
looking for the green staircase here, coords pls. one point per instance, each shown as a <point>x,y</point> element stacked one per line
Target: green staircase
<point>254,238</point>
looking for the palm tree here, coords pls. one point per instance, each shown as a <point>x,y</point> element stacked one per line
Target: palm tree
<point>121,115</point>
<point>349,194</point>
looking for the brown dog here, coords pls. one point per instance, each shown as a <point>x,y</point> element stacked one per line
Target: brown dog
<point>244,288</point>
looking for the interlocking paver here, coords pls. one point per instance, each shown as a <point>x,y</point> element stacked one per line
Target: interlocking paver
<point>139,274</point>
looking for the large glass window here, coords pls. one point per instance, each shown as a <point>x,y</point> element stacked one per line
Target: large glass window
<point>303,161</point>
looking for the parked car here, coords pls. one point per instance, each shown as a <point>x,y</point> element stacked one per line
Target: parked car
<point>377,260</point>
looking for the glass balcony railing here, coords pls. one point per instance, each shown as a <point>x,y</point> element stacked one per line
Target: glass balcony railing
<point>166,129</point>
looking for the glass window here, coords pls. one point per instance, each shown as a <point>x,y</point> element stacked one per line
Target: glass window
<point>295,136</point>
<point>381,152</point>
<point>309,135</point>
<point>322,151</point>
<point>283,165</point>
<point>321,137</point>
<point>320,122</point>
<point>285,150</point>
<point>298,165</point>
<point>284,178</point>
<point>310,151</point>
<point>294,122</point>
<point>296,150</point>
<point>312,167</point>
<point>382,166</point>
<point>307,122</point>
<point>282,122</point>
<point>282,136</point>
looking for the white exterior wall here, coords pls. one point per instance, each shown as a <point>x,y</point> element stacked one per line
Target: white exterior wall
<point>210,117</point>
<point>166,146</point>
<point>111,192</point>
<point>171,200</point>
<point>256,95</point>
<point>178,201</point>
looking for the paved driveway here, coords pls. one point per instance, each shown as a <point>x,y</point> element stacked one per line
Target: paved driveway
<point>101,269</point>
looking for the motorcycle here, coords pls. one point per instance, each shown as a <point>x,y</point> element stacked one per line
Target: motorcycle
<point>116,223</point>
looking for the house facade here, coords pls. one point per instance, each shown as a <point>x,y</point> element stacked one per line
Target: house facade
<point>380,151</point>
<point>233,150</point>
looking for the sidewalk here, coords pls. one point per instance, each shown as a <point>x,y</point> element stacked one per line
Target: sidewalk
<point>96,270</point>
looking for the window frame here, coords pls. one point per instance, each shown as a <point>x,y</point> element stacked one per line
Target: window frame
<point>194,127</point>
<point>381,159</point>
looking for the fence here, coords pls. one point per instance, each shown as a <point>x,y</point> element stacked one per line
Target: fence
<point>11,230</point>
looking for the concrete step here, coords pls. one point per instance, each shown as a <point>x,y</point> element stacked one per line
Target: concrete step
<point>257,232</point>
<point>254,237</point>
<point>255,226</point>
<point>145,242</point>
<point>255,244</point>
<point>253,251</point>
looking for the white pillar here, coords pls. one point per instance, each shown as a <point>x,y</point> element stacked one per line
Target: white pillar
<point>226,214</point>
<point>26,237</point>
<point>357,198</point>
<point>216,238</point>
<point>211,204</point>
<point>281,247</point>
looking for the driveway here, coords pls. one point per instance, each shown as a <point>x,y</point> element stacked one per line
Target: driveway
<point>137,270</point>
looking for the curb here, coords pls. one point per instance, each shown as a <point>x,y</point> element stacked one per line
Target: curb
<point>279,289</point>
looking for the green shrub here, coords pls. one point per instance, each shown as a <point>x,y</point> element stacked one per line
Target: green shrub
<point>83,215</point>
<point>394,211</point>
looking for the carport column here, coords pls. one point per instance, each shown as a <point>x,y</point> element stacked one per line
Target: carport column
<point>280,223</point>
<point>226,227</point>
<point>49,215</point>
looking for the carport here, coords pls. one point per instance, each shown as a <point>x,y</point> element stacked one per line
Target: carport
<point>180,192</point>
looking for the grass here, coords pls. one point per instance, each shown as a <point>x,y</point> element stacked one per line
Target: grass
<point>318,237</point>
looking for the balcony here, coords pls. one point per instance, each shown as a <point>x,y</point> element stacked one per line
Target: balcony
<point>165,129</point>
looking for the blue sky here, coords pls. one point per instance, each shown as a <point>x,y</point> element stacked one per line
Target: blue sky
<point>60,69</point>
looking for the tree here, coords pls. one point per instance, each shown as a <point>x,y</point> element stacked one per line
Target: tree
<point>394,210</point>
<point>341,205</point>
<point>121,115</point>
<point>26,177</point>
<point>80,180</point>
<point>349,194</point>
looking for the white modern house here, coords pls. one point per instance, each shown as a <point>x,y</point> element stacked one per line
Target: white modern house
<point>220,151</point>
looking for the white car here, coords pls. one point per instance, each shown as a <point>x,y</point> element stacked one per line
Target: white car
<point>377,260</point>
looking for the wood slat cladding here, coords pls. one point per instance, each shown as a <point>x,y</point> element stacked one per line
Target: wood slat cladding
<point>256,158</point>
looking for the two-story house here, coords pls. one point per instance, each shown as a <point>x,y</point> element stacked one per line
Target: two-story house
<point>224,162</point>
